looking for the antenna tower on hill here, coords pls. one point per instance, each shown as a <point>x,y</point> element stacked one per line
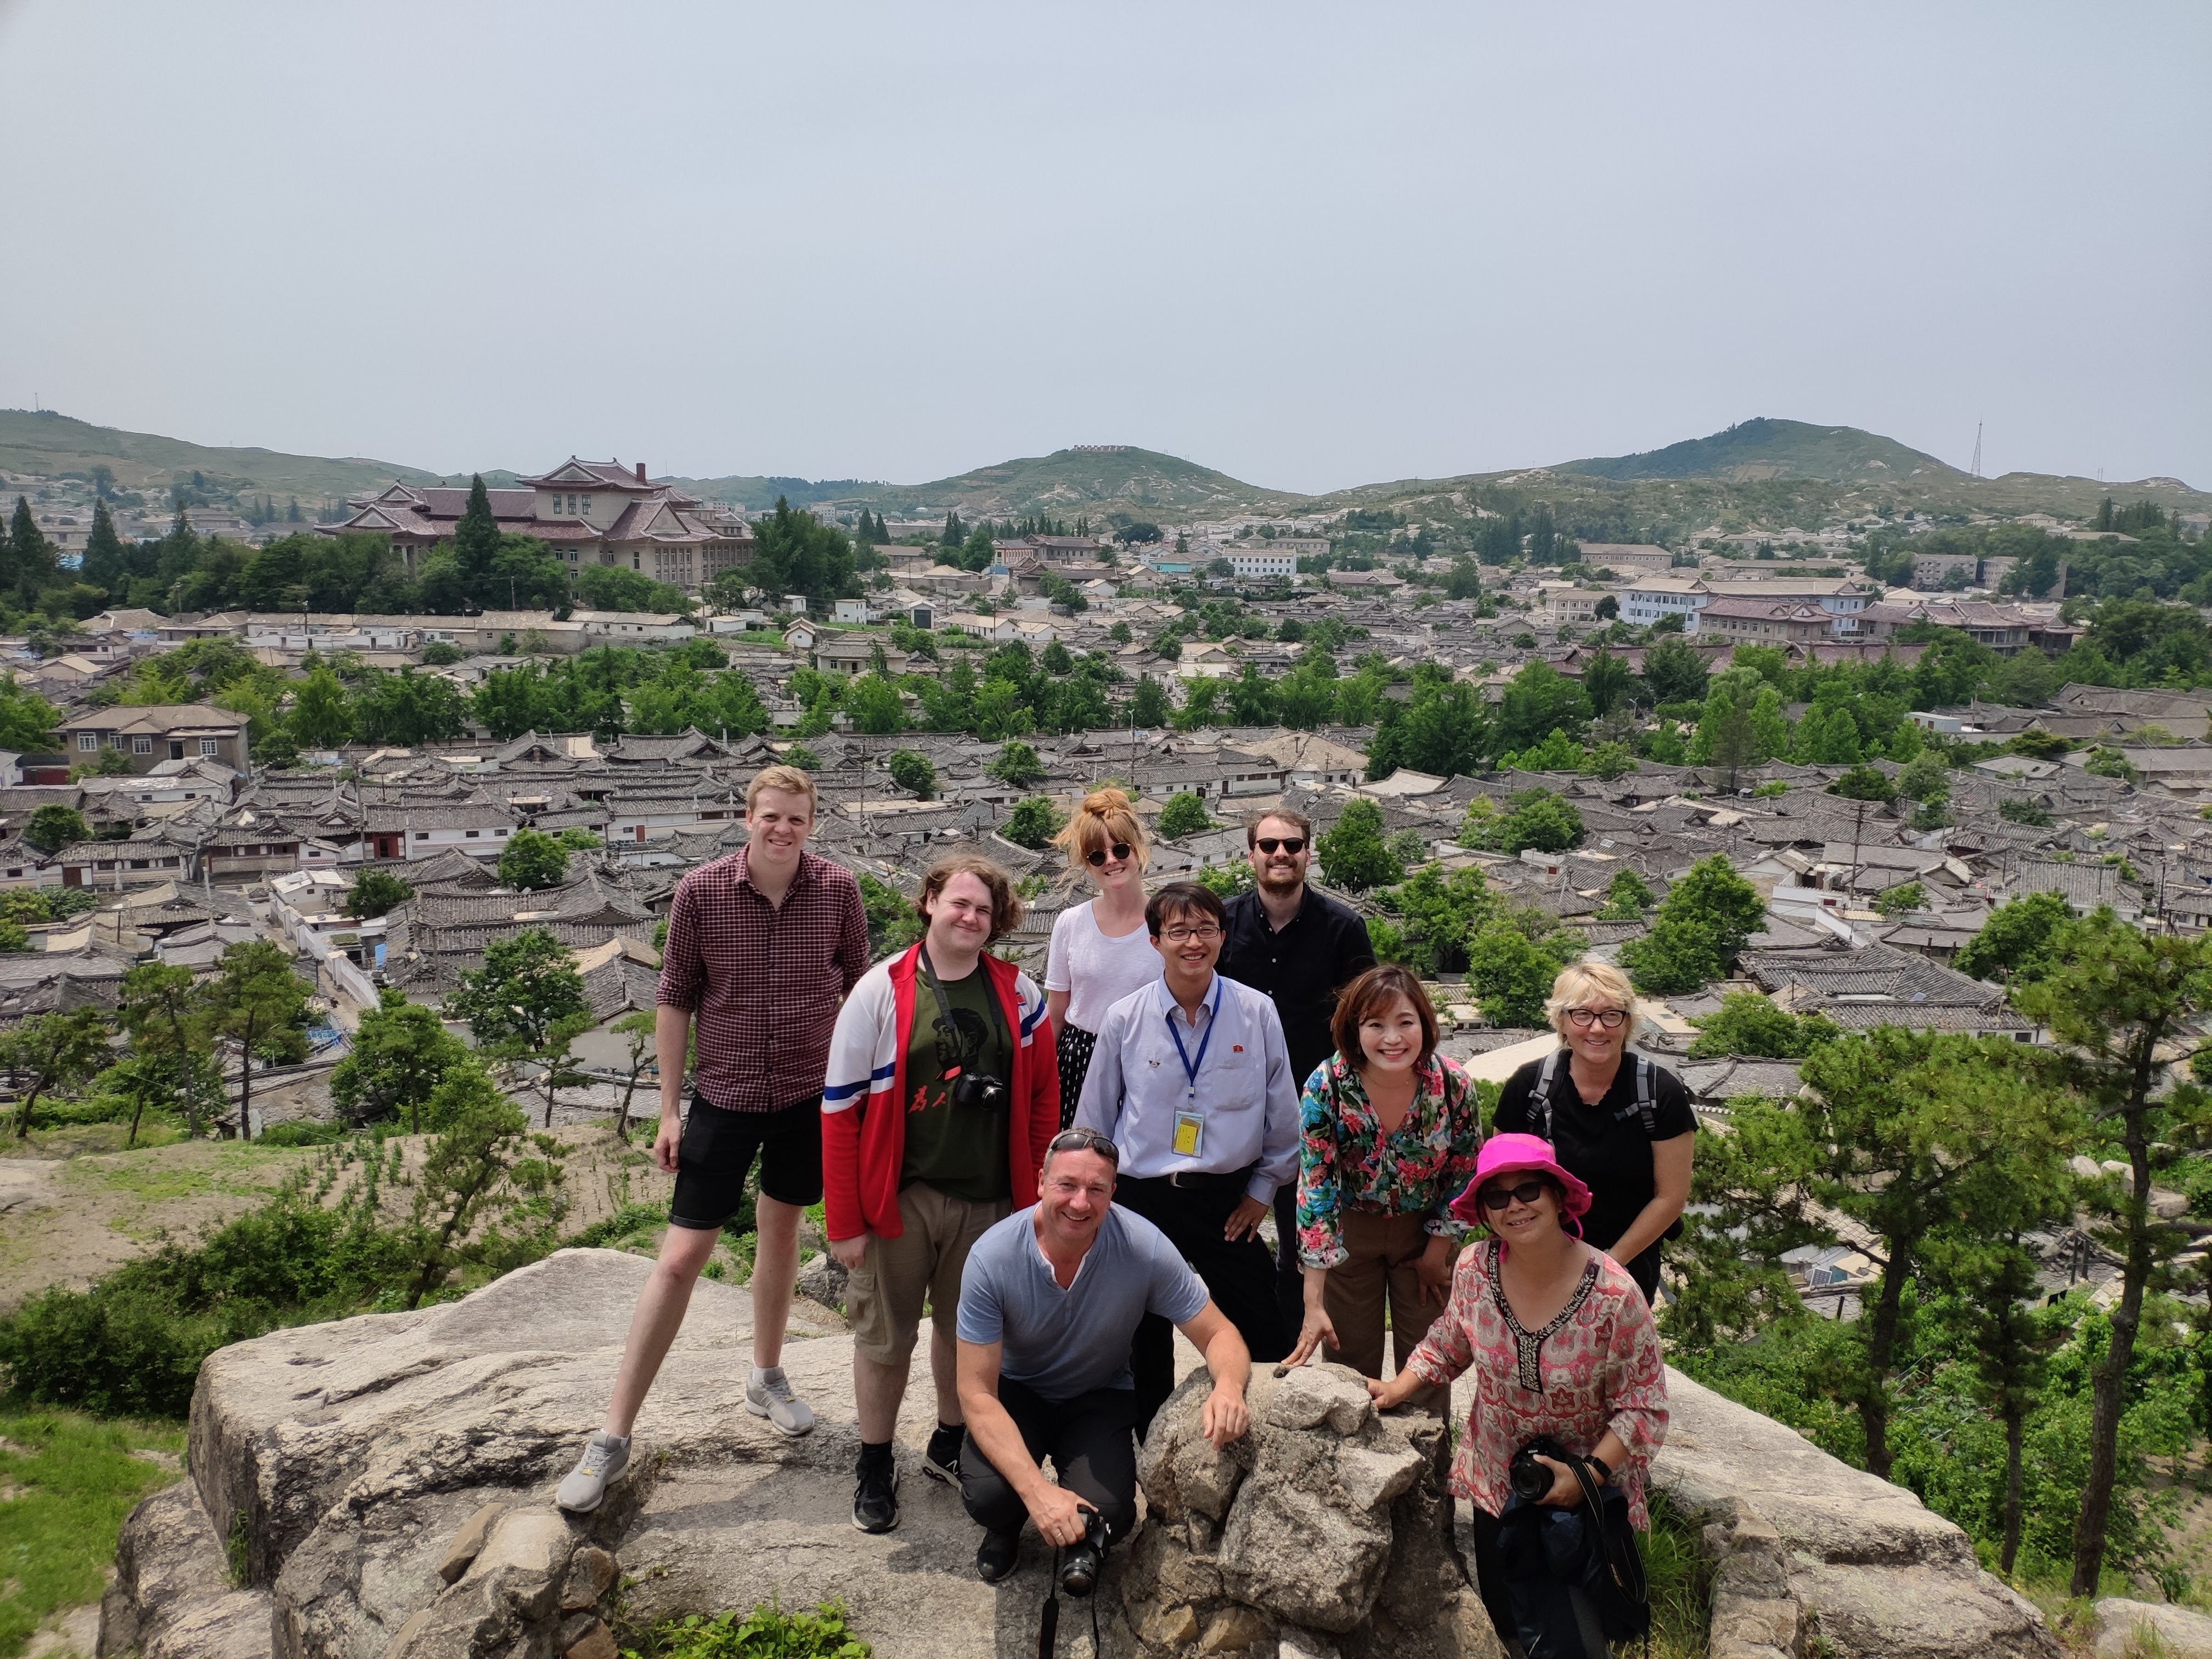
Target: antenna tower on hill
<point>1975,471</point>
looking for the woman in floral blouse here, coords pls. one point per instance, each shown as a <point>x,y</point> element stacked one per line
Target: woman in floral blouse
<point>1390,1134</point>
<point>1558,1338</point>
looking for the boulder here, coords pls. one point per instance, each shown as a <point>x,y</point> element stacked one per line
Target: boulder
<point>1802,1543</point>
<point>1327,1527</point>
<point>822,1280</point>
<point>2125,1627</point>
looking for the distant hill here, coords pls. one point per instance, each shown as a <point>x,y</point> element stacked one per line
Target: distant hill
<point>51,445</point>
<point>758,492</point>
<point>1755,451</point>
<point>1092,481</point>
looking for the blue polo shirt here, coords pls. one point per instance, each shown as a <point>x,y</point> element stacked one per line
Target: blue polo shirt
<point>1066,1343</point>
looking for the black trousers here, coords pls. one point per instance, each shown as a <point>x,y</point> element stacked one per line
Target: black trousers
<point>1289,1273</point>
<point>1091,1447</point>
<point>1240,1278</point>
<point>1490,1573</point>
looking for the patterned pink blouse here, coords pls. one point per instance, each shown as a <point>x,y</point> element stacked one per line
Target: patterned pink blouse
<point>1600,1369</point>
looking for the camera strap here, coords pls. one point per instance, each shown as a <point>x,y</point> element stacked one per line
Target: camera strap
<point>944,1006</point>
<point>1048,1620</point>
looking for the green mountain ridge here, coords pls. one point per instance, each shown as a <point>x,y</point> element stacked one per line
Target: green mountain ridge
<point>1755,451</point>
<point>45,443</point>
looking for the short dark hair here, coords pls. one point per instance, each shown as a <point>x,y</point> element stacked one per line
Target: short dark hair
<point>1371,993</point>
<point>1181,898</point>
<point>1253,821</point>
<point>1006,905</point>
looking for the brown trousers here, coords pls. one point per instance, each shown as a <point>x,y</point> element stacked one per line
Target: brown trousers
<point>1378,1273</point>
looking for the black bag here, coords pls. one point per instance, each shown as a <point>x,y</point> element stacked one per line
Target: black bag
<point>1574,1577</point>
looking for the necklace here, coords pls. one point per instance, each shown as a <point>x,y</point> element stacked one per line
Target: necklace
<point>1527,1346</point>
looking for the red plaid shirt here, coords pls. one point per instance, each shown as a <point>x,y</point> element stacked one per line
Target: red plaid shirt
<point>764,980</point>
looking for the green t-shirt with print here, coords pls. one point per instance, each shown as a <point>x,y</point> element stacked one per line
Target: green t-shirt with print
<point>959,1149</point>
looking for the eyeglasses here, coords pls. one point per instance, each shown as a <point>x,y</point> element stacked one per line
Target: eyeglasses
<point>1497,1197</point>
<point>1293,845</point>
<point>1202,933</point>
<point>1096,856</point>
<point>1611,1019</point>
<point>1084,1140</point>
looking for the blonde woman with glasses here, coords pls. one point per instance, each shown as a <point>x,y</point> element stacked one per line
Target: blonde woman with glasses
<point>1620,1123</point>
<point>1101,950</point>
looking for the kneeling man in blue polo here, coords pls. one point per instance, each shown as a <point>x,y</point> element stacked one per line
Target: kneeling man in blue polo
<point>1049,1301</point>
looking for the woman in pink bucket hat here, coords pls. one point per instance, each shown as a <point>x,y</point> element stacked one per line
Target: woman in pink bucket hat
<point>1557,1340</point>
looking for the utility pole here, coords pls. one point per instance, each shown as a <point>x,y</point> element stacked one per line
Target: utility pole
<point>1975,471</point>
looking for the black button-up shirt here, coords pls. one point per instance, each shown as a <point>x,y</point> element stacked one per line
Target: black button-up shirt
<point>1320,950</point>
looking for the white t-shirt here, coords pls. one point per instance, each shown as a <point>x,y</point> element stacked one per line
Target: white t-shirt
<point>1096,971</point>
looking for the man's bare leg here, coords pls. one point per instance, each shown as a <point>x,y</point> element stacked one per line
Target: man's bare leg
<point>877,1388</point>
<point>659,1316</point>
<point>943,1363</point>
<point>776,1270</point>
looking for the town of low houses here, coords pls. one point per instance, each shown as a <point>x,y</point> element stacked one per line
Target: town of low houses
<point>199,847</point>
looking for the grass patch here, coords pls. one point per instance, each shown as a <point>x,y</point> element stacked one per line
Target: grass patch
<point>766,1633</point>
<point>73,1480</point>
<point>236,1170</point>
<point>1680,1581</point>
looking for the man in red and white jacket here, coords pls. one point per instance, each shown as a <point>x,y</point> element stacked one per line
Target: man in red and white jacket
<point>941,1096</point>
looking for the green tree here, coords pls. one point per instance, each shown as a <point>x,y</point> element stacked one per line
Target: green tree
<point>509,701</point>
<point>2114,999</point>
<point>399,1056</point>
<point>1539,700</point>
<point>162,1012</point>
<point>31,563</point>
<point>532,860</point>
<point>476,535</point>
<point>1864,783</point>
<point>1016,763</point>
<point>1675,670</point>
<point>26,720</point>
<point>1510,975</point>
<point>1442,727</point>
<point>460,1184</point>
<point>1828,735</point>
<point>1352,851</point>
<point>1148,704</point>
<point>1902,900</point>
<point>873,702</point>
<point>50,1052</point>
<point>1627,897</point>
<point>893,923</point>
<point>322,714</point>
<point>257,1002</point>
<point>1698,933</point>
<point>1184,815</point>
<point>2016,941</point>
<point>374,893</point>
<point>1747,1023</point>
<point>1606,681</point>
<point>1537,819</point>
<point>53,827</point>
<point>107,560</point>
<point>912,771</point>
<point>526,1003</point>
<point>1033,822</point>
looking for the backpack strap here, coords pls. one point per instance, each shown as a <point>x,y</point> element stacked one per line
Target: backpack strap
<point>1647,1106</point>
<point>1540,1106</point>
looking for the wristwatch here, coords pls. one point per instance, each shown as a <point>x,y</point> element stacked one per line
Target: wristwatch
<point>1604,1469</point>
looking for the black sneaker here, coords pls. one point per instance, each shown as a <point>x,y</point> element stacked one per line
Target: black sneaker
<point>942,1461</point>
<point>996,1555</point>
<point>875,1499</point>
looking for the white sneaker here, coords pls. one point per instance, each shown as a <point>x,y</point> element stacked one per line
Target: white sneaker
<point>768,1395</point>
<point>605,1461</point>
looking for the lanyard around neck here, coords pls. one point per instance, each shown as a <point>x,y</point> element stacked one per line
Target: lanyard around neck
<point>1212,1018</point>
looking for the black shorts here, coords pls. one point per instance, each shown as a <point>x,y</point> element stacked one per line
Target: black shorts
<point>717,1154</point>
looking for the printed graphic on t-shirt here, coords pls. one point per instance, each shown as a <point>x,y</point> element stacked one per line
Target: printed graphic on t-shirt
<point>956,1049</point>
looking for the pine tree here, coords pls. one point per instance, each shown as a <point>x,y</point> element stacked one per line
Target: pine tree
<point>475,538</point>
<point>107,560</point>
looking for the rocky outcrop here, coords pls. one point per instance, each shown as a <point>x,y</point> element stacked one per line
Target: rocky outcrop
<point>383,1488</point>
<point>1328,1528</point>
<point>2126,1629</point>
<point>1811,1555</point>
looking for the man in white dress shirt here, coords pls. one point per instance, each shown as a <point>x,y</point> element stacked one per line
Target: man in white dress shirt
<point>1191,1079</point>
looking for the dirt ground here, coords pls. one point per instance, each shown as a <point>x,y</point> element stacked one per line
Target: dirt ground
<point>82,1210</point>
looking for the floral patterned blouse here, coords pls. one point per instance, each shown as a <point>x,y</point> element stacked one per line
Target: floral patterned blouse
<point>1599,1366</point>
<point>1344,1158</point>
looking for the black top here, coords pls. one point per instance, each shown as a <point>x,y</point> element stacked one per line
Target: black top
<point>1300,970</point>
<point>1603,1144</point>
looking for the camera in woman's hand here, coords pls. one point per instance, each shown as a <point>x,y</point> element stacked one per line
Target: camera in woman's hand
<point>1530,1477</point>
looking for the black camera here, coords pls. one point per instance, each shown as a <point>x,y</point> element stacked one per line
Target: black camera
<point>978,1091</point>
<point>1079,1574</point>
<point>1530,1480</point>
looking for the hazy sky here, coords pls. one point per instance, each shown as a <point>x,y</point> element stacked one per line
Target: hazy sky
<point>1312,246</point>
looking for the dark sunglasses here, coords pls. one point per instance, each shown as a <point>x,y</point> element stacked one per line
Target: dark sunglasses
<point>1084,1140</point>
<point>1293,845</point>
<point>1097,855</point>
<point>1497,1197</point>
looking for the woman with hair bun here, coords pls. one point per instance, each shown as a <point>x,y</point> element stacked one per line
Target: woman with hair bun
<point>1101,950</point>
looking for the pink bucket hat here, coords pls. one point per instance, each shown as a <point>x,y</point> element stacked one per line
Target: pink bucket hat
<point>1508,1155</point>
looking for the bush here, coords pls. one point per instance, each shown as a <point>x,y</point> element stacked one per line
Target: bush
<point>304,1131</point>
<point>1184,815</point>
<point>766,1633</point>
<point>1032,823</point>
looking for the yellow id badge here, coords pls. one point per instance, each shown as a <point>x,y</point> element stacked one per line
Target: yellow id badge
<point>1189,1135</point>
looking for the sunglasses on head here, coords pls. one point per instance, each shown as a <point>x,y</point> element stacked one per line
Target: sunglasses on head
<point>1097,855</point>
<point>1293,845</point>
<point>1084,1140</point>
<point>1497,1197</point>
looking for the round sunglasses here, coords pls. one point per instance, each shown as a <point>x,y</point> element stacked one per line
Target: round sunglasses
<point>1096,856</point>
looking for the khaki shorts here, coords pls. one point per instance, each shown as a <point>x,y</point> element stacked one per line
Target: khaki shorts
<point>884,1295</point>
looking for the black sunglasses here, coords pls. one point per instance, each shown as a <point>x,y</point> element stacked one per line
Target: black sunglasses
<point>1097,855</point>
<point>1293,845</point>
<point>1497,1197</point>
<point>1084,1140</point>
